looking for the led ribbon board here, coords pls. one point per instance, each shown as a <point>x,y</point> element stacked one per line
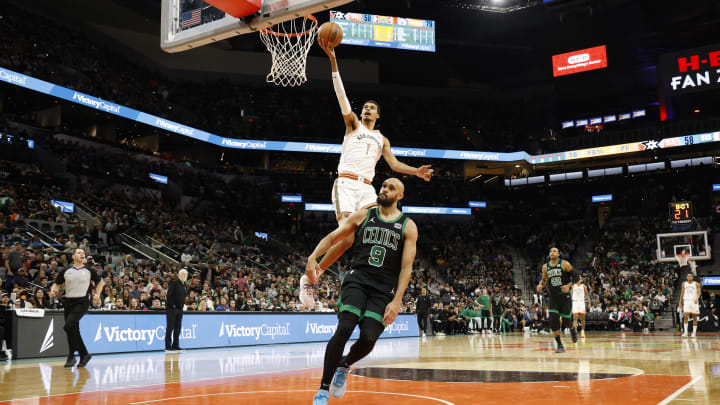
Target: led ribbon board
<point>436,210</point>
<point>64,206</point>
<point>158,178</point>
<point>286,198</point>
<point>602,198</point>
<point>44,87</point>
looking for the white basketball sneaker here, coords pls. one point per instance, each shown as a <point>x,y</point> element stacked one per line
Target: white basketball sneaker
<point>307,293</point>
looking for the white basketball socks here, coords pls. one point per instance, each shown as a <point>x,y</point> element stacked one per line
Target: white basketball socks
<point>694,328</point>
<point>685,329</point>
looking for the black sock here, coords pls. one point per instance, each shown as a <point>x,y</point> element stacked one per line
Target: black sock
<point>336,346</point>
<point>557,339</point>
<point>325,387</point>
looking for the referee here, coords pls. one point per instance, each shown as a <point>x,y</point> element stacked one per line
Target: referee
<point>175,299</point>
<point>75,303</point>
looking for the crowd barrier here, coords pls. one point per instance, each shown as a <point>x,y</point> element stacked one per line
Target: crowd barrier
<point>41,334</point>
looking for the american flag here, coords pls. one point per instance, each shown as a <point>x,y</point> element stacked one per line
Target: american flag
<point>191,18</point>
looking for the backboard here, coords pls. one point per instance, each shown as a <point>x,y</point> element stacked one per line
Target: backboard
<point>187,24</point>
<point>670,244</point>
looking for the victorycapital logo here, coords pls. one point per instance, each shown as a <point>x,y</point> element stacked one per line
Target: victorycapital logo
<point>479,156</point>
<point>96,103</point>
<point>48,342</point>
<point>116,334</point>
<point>322,148</point>
<point>409,152</point>
<point>11,77</point>
<point>244,144</point>
<point>256,332</point>
<point>320,328</point>
<point>397,327</point>
<point>177,128</point>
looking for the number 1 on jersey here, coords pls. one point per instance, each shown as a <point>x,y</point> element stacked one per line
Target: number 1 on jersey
<point>377,256</point>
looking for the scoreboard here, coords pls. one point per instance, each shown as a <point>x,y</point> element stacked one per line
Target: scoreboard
<point>681,212</point>
<point>385,32</point>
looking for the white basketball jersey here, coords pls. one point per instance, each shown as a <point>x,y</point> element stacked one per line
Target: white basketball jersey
<point>691,292</point>
<point>361,150</point>
<point>578,293</point>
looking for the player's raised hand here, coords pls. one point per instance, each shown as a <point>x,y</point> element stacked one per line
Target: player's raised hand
<point>328,50</point>
<point>425,172</point>
<point>391,312</point>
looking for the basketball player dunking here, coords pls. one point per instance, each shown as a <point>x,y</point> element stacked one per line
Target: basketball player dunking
<point>561,277</point>
<point>372,291</point>
<point>690,298</point>
<point>579,296</point>
<point>361,149</point>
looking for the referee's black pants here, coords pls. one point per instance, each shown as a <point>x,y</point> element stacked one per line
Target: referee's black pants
<point>422,318</point>
<point>174,323</point>
<point>74,309</point>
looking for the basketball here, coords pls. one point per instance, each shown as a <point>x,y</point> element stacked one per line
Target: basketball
<point>331,34</point>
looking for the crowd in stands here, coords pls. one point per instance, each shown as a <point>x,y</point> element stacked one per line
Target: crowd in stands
<point>43,49</point>
<point>233,270</point>
<point>625,280</point>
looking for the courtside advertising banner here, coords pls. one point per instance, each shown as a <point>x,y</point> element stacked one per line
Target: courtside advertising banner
<point>690,71</point>
<point>132,332</point>
<point>579,61</point>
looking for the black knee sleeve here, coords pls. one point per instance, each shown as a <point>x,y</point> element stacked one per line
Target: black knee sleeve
<point>554,321</point>
<point>370,331</point>
<point>346,324</point>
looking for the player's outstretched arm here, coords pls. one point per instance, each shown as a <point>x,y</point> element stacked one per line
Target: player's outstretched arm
<point>312,269</point>
<point>351,120</point>
<point>424,172</point>
<point>408,257</point>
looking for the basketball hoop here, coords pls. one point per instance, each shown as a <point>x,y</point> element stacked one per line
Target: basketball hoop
<point>682,258</point>
<point>289,43</point>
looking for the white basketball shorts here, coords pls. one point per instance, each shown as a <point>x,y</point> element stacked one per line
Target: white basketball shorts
<point>578,307</point>
<point>351,195</point>
<point>690,307</point>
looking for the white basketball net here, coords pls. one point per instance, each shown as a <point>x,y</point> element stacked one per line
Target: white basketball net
<point>682,259</point>
<point>289,43</point>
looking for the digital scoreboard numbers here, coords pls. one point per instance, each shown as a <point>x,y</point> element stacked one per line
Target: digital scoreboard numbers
<point>681,213</point>
<point>385,32</point>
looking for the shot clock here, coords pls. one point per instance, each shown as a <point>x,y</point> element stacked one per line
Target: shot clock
<point>681,212</point>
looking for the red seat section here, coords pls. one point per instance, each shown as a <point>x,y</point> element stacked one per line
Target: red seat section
<point>237,8</point>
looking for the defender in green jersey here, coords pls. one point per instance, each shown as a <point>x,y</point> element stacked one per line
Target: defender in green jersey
<point>372,291</point>
<point>559,276</point>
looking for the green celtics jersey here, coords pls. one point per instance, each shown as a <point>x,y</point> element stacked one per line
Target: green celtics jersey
<point>484,300</point>
<point>557,277</point>
<point>378,250</point>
